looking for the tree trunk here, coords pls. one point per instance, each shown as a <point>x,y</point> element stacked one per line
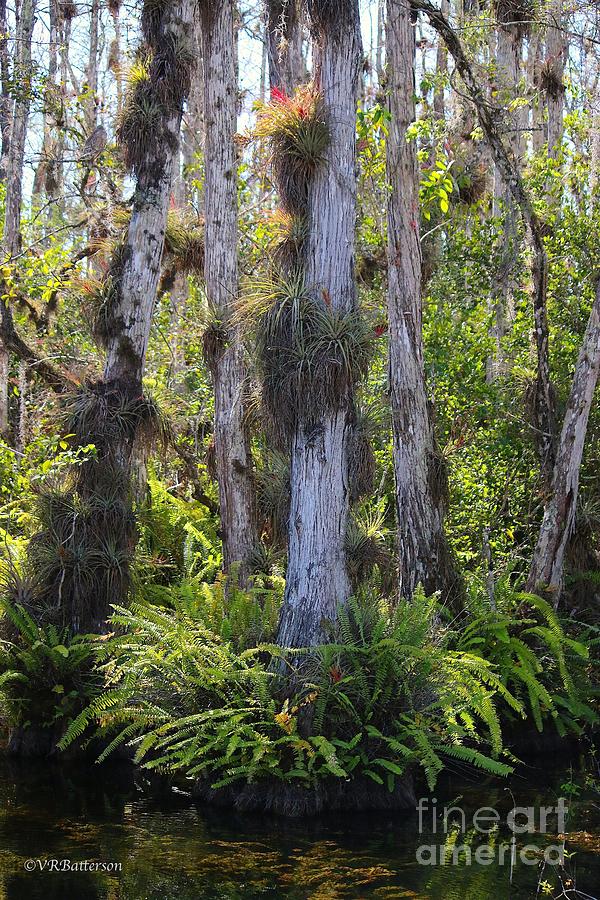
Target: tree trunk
<point>554,68</point>
<point>11,239</point>
<point>91,72</point>
<point>509,50</point>
<point>380,39</point>
<point>546,571</point>
<point>441,68</point>
<point>225,356</point>
<point>21,429</point>
<point>192,138</point>
<point>534,66</point>
<point>4,373</point>
<point>420,484</point>
<point>284,45</point>
<point>317,578</point>
<point>5,97</point>
<point>113,412</point>
<point>46,180</point>
<point>153,165</point>
<point>115,52</point>
<point>594,156</point>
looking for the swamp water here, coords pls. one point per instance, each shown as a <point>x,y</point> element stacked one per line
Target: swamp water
<point>169,848</point>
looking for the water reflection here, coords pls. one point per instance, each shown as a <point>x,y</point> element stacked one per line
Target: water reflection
<point>170,848</point>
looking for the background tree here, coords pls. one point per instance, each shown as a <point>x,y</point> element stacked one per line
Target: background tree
<point>419,470</point>
<point>223,347</point>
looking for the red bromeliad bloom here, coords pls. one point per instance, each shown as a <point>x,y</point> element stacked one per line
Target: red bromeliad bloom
<point>279,96</point>
<point>380,329</point>
<point>336,674</point>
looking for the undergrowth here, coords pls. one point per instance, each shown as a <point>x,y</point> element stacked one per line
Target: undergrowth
<point>394,689</point>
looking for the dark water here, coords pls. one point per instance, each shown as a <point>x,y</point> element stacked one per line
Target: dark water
<point>168,847</point>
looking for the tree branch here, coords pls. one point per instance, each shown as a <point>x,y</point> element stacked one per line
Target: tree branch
<point>59,381</point>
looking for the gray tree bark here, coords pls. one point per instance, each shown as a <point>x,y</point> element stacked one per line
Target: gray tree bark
<point>91,72</point>
<point>441,67</point>
<point>420,492</point>
<point>317,578</point>
<point>5,97</point>
<point>128,340</point>
<point>233,459</point>
<point>48,175</point>
<point>546,572</point>
<point>556,56</point>
<point>535,48</point>
<point>11,239</point>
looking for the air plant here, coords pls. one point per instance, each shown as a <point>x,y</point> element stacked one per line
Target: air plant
<point>309,354</point>
<point>106,413</point>
<point>297,134</point>
<point>141,116</point>
<point>215,339</point>
<point>184,242</point>
<point>272,481</point>
<point>367,543</point>
<point>550,81</point>
<point>289,235</point>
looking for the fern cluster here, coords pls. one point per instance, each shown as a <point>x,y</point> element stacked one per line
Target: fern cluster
<point>385,695</point>
<point>46,674</point>
<point>534,657</point>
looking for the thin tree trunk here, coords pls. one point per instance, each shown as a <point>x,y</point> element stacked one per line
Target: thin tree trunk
<point>546,572</point>
<point>441,67</point>
<point>65,13</point>
<point>192,135</point>
<point>509,50</point>
<point>534,65</point>
<point>232,445</point>
<point>595,152</point>
<point>592,84</point>
<point>381,39</point>
<point>556,56</point>
<point>21,435</point>
<point>420,490</point>
<point>91,73</point>
<point>45,179</point>
<point>11,239</point>
<point>4,373</point>
<point>115,52</point>
<point>5,97</point>
<point>317,577</point>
